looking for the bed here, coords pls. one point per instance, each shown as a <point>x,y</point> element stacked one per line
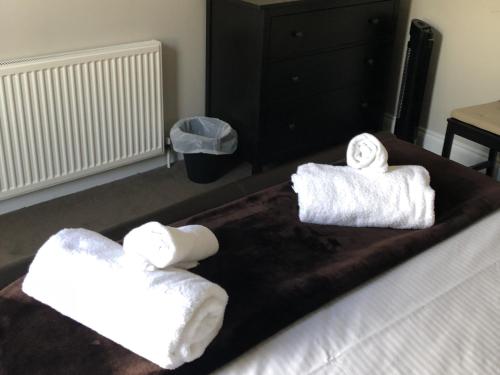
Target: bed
<point>431,307</point>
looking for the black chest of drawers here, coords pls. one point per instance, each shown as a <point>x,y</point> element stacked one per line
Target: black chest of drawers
<point>297,75</point>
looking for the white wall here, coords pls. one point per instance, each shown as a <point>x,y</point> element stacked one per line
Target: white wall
<point>466,63</point>
<point>34,27</point>
<point>464,67</point>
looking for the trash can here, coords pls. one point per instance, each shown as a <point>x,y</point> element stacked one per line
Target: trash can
<point>207,144</point>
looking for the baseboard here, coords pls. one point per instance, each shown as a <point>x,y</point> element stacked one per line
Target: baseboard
<point>57,191</point>
<point>461,152</point>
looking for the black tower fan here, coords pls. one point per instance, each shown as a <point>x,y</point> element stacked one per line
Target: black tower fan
<point>411,95</point>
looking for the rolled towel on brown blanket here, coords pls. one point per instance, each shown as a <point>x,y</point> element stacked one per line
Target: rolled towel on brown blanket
<point>168,317</point>
<point>400,198</point>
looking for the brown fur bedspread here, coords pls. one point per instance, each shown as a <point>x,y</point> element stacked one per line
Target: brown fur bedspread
<point>274,268</point>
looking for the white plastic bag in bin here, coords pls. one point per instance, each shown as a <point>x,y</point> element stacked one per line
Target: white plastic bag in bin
<point>203,134</point>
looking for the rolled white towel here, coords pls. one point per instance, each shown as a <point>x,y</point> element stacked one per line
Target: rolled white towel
<point>160,246</point>
<point>168,317</point>
<point>365,151</point>
<point>401,198</point>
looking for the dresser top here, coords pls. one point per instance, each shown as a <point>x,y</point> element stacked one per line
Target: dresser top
<point>269,2</point>
<point>272,3</point>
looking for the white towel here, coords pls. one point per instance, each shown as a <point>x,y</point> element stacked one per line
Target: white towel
<point>365,151</point>
<point>160,246</point>
<point>167,317</point>
<point>401,198</point>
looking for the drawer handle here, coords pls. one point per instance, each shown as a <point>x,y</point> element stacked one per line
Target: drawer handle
<point>291,126</point>
<point>364,105</point>
<point>370,61</point>
<point>298,34</point>
<point>295,79</point>
<point>374,21</point>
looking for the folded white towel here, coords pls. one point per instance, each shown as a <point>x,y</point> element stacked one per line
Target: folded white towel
<point>400,198</point>
<point>365,151</point>
<point>168,317</point>
<point>161,246</point>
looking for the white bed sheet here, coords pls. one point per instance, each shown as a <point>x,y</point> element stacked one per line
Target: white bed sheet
<point>438,313</point>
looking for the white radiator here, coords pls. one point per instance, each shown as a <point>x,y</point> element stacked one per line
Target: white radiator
<point>74,114</point>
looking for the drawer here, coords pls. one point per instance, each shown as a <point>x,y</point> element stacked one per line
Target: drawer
<point>324,72</point>
<point>297,34</point>
<point>321,120</point>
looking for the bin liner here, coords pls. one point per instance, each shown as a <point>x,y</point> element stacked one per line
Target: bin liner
<point>203,134</point>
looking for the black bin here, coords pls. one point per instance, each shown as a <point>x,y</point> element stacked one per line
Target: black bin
<point>205,168</point>
<point>207,144</point>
